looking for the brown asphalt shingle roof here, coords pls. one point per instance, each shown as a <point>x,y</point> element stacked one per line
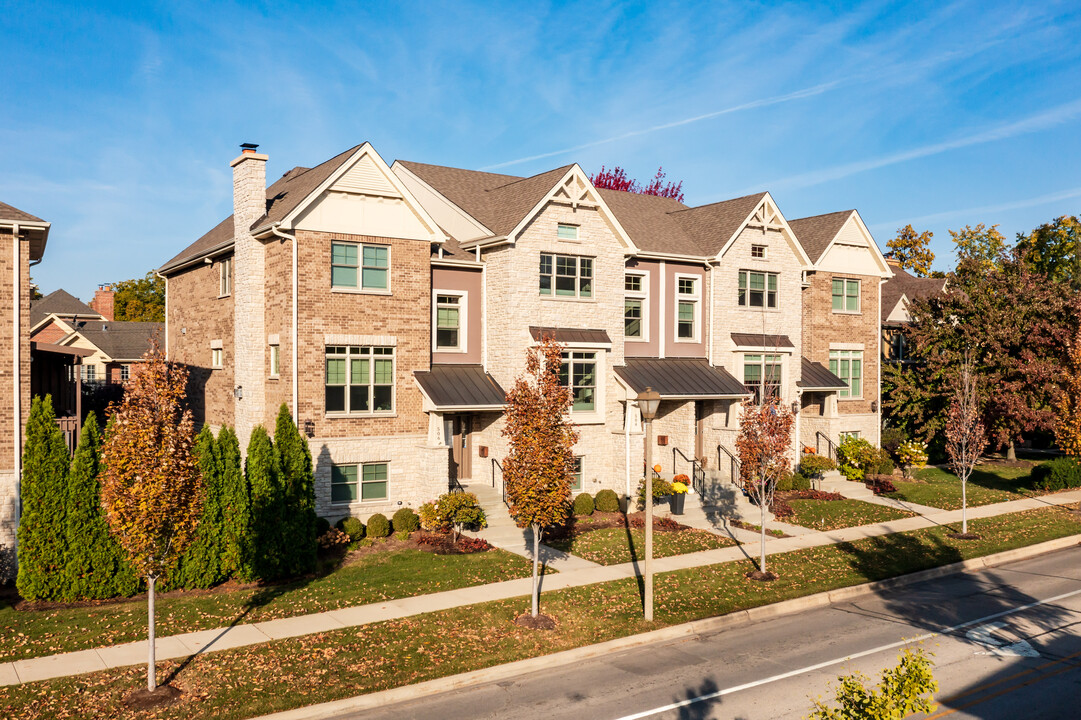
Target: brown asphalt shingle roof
<point>650,223</point>
<point>817,232</point>
<point>712,225</point>
<point>908,285</point>
<point>816,376</point>
<point>10,213</point>
<point>61,303</point>
<point>126,340</point>
<point>282,198</point>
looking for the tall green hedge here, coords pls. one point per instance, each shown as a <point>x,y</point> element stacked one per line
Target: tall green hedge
<point>44,493</point>
<point>201,565</point>
<point>267,506</point>
<point>236,509</point>
<point>298,524</point>
<point>95,566</point>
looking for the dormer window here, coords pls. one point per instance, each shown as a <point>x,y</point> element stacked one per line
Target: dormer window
<point>566,232</point>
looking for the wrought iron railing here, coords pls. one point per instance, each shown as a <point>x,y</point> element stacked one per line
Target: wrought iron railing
<point>734,465</point>
<point>831,447</point>
<point>495,466</point>
<point>698,473</point>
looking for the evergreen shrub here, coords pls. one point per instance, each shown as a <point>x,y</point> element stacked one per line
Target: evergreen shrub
<point>801,482</point>
<point>405,520</point>
<point>1057,474</point>
<point>353,527</point>
<point>606,501</point>
<point>298,496</point>
<point>583,504</point>
<point>378,526</point>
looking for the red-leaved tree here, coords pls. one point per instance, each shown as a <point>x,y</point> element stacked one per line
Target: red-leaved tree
<point>616,179</point>
<point>764,445</point>
<point>151,487</point>
<point>966,437</point>
<point>537,472</point>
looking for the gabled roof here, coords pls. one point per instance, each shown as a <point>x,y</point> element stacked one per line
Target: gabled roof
<point>36,229</point>
<point>712,226</point>
<point>903,284</point>
<point>817,232</point>
<point>650,222</point>
<point>120,340</point>
<point>62,304</point>
<point>12,214</point>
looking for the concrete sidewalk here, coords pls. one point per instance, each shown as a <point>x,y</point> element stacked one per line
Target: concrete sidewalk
<point>184,645</point>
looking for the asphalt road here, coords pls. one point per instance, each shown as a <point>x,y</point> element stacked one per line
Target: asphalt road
<point>1007,644</point>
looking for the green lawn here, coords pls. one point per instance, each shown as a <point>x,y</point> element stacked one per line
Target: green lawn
<point>610,546</point>
<point>990,483</point>
<point>284,674</point>
<point>374,578</point>
<point>837,514</point>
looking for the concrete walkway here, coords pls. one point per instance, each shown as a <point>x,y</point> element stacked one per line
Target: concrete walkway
<point>184,645</point>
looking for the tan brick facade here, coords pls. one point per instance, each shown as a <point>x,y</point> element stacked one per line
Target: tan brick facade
<point>8,449</point>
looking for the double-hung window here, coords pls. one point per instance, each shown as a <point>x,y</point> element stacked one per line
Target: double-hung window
<point>363,482</point>
<point>634,306</point>
<point>757,289</point>
<point>125,373</point>
<point>576,474</point>
<point>359,380</point>
<point>848,365</point>
<point>566,232</point>
<point>687,309</point>
<point>359,267</point>
<point>846,295</point>
<point>762,376</point>
<point>225,277</point>
<point>578,372</point>
<point>448,322</point>
<point>566,275</point>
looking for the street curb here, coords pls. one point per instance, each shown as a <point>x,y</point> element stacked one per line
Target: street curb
<point>336,708</point>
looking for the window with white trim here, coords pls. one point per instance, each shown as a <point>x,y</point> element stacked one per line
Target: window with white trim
<point>634,306</point>
<point>762,375</point>
<point>848,365</point>
<point>566,275</point>
<point>217,358</point>
<point>448,322</point>
<point>359,267</point>
<point>225,277</point>
<point>846,295</point>
<point>89,373</point>
<point>578,372</point>
<point>758,252</point>
<point>364,482</point>
<point>566,232</point>
<point>846,434</point>
<point>275,361</point>
<point>359,380</point>
<point>576,473</point>
<point>687,295</point>
<point>757,289</point>
<point>125,373</point>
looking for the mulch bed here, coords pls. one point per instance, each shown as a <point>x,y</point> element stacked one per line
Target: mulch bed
<point>965,536</point>
<point>762,576</point>
<point>782,509</point>
<point>541,622</point>
<point>161,696</point>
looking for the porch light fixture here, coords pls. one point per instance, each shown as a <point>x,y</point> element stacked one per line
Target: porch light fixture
<point>874,406</point>
<point>238,392</point>
<point>648,402</point>
<point>795,407</point>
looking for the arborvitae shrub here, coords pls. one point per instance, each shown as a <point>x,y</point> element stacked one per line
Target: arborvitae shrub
<point>405,520</point>
<point>352,527</point>
<point>321,526</point>
<point>607,501</point>
<point>378,526</point>
<point>583,504</point>
<point>41,537</point>
<point>800,482</point>
<point>236,509</point>
<point>298,493</point>
<point>1057,474</point>
<point>202,565</point>
<point>267,506</point>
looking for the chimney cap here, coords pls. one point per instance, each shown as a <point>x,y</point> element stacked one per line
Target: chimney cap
<point>248,147</point>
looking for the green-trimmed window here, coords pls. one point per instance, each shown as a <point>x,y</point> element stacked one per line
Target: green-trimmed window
<point>762,375</point>
<point>566,275</point>
<point>359,379</point>
<point>757,289</point>
<point>448,322</point>
<point>567,232</point>
<point>364,482</point>
<point>632,318</point>
<point>579,373</point>
<point>361,267</point>
<point>846,295</point>
<point>848,365</point>
<point>576,474</point>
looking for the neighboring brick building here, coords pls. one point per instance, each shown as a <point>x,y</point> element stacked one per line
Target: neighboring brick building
<point>897,293</point>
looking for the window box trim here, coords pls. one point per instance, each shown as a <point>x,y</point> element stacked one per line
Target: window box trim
<point>463,321</point>
<point>696,300</point>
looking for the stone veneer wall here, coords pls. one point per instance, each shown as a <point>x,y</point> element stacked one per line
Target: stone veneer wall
<point>8,475</point>
<point>249,292</point>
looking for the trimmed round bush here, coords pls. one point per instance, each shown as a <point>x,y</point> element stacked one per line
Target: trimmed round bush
<point>352,527</point>
<point>322,525</point>
<point>583,504</point>
<point>405,520</point>
<point>378,526</point>
<point>801,482</point>
<point>606,501</point>
<point>785,484</point>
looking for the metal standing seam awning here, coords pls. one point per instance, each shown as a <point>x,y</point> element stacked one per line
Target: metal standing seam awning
<point>815,377</point>
<point>449,388</point>
<point>571,336</point>
<point>681,379</point>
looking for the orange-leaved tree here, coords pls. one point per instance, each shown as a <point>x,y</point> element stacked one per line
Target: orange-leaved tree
<point>764,445</point>
<point>151,487</point>
<point>1068,408</point>
<point>537,470</point>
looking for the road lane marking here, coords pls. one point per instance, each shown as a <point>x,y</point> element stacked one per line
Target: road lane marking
<point>1000,693</point>
<point>838,661</point>
<point>983,636</point>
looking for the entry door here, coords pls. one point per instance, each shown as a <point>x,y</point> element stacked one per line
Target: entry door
<point>462,446</point>
<point>700,431</point>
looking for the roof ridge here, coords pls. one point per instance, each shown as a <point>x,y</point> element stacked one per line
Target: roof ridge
<point>719,202</point>
<point>531,177</point>
<point>407,163</point>
<point>822,215</point>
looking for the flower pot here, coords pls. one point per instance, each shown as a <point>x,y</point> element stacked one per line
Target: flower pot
<point>677,501</point>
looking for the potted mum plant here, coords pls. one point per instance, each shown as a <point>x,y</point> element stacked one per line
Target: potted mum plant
<point>679,493</point>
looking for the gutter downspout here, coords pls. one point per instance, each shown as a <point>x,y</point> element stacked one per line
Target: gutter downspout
<point>16,438</point>
<point>296,354</point>
<point>878,360</point>
<point>712,309</point>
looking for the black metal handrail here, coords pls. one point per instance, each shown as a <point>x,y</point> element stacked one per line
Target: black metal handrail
<point>831,448</point>
<point>495,464</point>
<point>698,473</point>
<point>734,464</point>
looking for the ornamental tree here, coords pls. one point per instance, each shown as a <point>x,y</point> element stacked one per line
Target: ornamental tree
<point>1068,407</point>
<point>913,250</point>
<point>151,487</point>
<point>537,471</point>
<point>966,438</point>
<point>616,179</point>
<point>764,445</point>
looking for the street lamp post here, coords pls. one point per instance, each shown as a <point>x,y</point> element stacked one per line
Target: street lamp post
<point>647,403</point>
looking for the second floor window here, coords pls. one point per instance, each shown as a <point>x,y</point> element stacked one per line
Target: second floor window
<point>687,309</point>
<point>566,275</point>
<point>579,373</point>
<point>762,376</point>
<point>848,365</point>
<point>846,295</point>
<point>757,289</point>
<point>360,267</point>
<point>448,322</point>
<point>632,318</point>
<point>225,277</point>
<point>634,306</point>
<point>359,379</point>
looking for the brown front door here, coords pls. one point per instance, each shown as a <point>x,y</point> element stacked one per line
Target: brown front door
<point>700,431</point>
<point>462,446</point>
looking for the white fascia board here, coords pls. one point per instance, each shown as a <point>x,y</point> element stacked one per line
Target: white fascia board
<point>400,169</point>
<point>790,236</point>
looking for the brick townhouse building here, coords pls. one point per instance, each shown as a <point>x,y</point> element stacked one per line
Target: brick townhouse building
<point>389,307</point>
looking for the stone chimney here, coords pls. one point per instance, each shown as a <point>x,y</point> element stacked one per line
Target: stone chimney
<point>892,260</point>
<point>103,301</point>
<point>249,279</point>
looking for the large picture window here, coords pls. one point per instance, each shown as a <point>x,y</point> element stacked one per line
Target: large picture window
<point>848,365</point>
<point>448,322</point>
<point>359,267</point>
<point>757,289</point>
<point>359,380</point>
<point>762,376</point>
<point>364,482</point>
<point>579,373</point>
<point>846,295</point>
<point>566,275</point>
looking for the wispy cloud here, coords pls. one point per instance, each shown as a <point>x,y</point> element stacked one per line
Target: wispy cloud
<point>1034,123</point>
<point>978,212</point>
<point>765,102</point>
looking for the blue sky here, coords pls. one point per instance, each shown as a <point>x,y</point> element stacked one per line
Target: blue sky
<point>119,121</point>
